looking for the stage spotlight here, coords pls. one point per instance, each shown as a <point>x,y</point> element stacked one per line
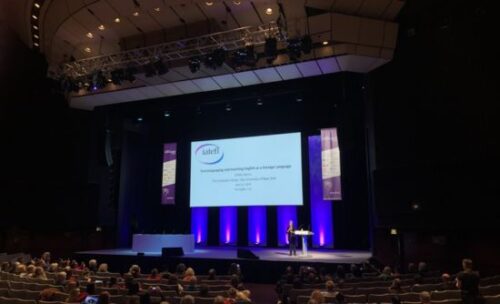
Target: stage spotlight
<point>139,119</point>
<point>271,49</point>
<point>259,102</point>
<point>160,67</point>
<point>98,81</point>
<point>416,205</point>
<point>117,76</point>
<point>149,70</point>
<point>166,114</point>
<point>245,56</point>
<point>215,59</point>
<point>228,107</point>
<point>294,49</point>
<point>393,231</point>
<point>130,73</point>
<point>194,64</point>
<point>306,44</point>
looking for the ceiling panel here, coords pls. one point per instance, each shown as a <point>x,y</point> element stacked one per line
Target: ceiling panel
<point>173,75</point>
<point>189,12</point>
<point>374,8</point>
<point>309,68</point>
<point>268,75</point>
<point>168,89</point>
<point>247,78</point>
<point>186,72</point>
<point>347,6</point>
<point>289,71</point>
<point>150,92</point>
<point>245,13</point>
<point>226,81</point>
<point>207,84</point>
<point>329,65</point>
<point>187,87</point>
<point>262,6</point>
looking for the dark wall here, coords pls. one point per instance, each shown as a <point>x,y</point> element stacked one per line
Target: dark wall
<point>327,101</point>
<point>43,168</point>
<point>435,113</point>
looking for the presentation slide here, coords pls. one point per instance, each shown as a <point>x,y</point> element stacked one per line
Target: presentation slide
<point>247,171</point>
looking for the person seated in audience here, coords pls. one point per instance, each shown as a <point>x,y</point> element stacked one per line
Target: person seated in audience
<point>386,273</point>
<point>189,276</point>
<point>339,298</point>
<point>243,297</point>
<point>355,271</point>
<point>144,298</point>
<point>154,275</point>
<point>155,291</point>
<point>103,268</point>
<point>234,281</point>
<point>203,291</point>
<point>468,283</point>
<point>395,286</point>
<point>180,269</point>
<point>30,271</point>
<point>53,268</point>
<point>92,266</point>
<point>412,268</point>
<point>85,275</point>
<point>90,289</point>
<point>39,274</point>
<point>212,274</point>
<point>231,296</point>
<point>20,270</point>
<point>133,288</point>
<point>340,273</point>
<point>48,294</point>
<point>317,295</point>
<point>330,290</point>
<point>135,271</point>
<point>60,278</point>
<point>395,300</point>
<point>74,295</point>
<point>104,297</point>
<point>187,299</point>
<point>219,300</point>
<point>234,269</point>
<point>422,269</point>
<point>446,282</point>
<point>425,297</point>
<point>45,258</point>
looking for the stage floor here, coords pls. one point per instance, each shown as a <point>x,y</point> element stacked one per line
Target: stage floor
<point>264,254</point>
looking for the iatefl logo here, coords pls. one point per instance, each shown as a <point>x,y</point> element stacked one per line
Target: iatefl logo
<point>209,154</point>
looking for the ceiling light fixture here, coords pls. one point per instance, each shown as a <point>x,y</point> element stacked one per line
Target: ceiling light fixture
<point>325,42</point>
<point>35,27</point>
<point>236,2</point>
<point>117,20</point>
<point>36,44</point>
<point>101,27</point>
<point>135,14</point>
<point>90,35</point>
<point>37,5</point>
<point>209,3</point>
<point>36,36</point>
<point>269,11</point>
<point>34,17</point>
<point>157,9</point>
<point>87,49</point>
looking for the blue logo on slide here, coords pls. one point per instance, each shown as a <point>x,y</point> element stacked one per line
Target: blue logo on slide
<point>209,154</point>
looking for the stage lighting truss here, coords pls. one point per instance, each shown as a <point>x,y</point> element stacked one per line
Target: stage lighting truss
<point>172,51</point>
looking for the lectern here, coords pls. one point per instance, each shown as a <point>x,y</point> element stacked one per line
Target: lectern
<point>303,234</point>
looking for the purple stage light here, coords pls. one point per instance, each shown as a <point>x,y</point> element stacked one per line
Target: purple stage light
<point>257,225</point>
<point>228,217</point>
<point>199,224</point>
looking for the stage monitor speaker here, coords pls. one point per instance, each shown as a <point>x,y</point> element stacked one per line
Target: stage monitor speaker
<point>246,254</point>
<point>140,254</point>
<point>171,252</point>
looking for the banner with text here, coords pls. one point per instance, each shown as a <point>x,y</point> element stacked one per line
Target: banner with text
<point>330,164</point>
<point>168,179</point>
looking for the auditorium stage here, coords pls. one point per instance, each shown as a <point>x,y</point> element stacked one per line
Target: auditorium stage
<point>264,254</point>
<point>266,269</point>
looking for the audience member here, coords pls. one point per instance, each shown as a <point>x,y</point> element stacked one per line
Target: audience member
<point>154,275</point>
<point>135,271</point>
<point>219,300</point>
<point>48,294</point>
<point>317,295</point>
<point>92,266</point>
<point>39,274</point>
<point>386,273</point>
<point>425,297</point>
<point>395,286</point>
<point>74,295</point>
<point>103,268</point>
<point>60,278</point>
<point>446,282</point>
<point>189,276</point>
<point>104,297</point>
<point>203,290</point>
<point>188,299</point>
<point>180,269</point>
<point>212,274</point>
<point>468,283</point>
<point>330,289</point>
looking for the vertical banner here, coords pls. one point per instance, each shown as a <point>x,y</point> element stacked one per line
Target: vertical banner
<point>168,179</point>
<point>330,164</point>
<point>321,210</point>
